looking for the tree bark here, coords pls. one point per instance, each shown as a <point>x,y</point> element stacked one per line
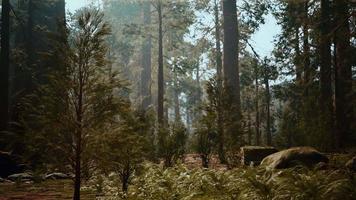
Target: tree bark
<point>146,61</point>
<point>160,111</point>
<point>5,65</point>
<point>325,100</point>
<point>306,49</point>
<point>231,69</point>
<point>257,107</point>
<point>176,96</point>
<point>219,65</point>
<point>297,63</point>
<point>268,105</point>
<point>343,78</point>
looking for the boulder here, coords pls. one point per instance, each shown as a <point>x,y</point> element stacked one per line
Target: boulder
<point>57,176</point>
<point>21,177</point>
<point>351,164</point>
<point>253,155</point>
<point>306,156</point>
<point>8,164</point>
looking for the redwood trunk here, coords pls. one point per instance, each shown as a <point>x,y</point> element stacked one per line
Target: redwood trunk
<point>160,111</point>
<point>343,86</point>
<point>5,65</point>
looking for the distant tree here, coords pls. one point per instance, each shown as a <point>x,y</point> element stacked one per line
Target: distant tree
<point>146,59</point>
<point>160,106</point>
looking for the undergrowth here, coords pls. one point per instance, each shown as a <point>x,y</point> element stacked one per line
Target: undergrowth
<point>181,183</point>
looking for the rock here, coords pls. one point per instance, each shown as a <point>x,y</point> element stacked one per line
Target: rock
<point>57,176</point>
<point>8,165</point>
<point>22,177</point>
<point>253,155</point>
<point>306,156</point>
<point>351,164</point>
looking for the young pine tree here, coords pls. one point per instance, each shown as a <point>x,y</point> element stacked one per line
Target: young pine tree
<point>66,114</point>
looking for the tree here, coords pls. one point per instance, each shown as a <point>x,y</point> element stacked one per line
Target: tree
<point>5,64</point>
<point>160,106</point>
<point>77,97</point>
<point>343,77</point>
<point>326,93</point>
<point>172,141</point>
<point>219,67</point>
<point>123,149</point>
<point>231,69</point>
<point>146,60</point>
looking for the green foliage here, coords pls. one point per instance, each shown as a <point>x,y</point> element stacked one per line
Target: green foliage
<point>180,182</point>
<point>172,143</point>
<point>76,103</point>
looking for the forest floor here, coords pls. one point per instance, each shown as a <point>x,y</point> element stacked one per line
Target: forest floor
<point>62,189</point>
<point>47,190</point>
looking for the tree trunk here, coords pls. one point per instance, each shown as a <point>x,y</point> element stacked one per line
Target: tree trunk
<point>160,111</point>
<point>231,69</point>
<point>343,78</point>
<point>146,61</point>
<point>5,65</point>
<point>297,63</point>
<point>306,49</point>
<point>249,130</point>
<point>325,100</point>
<point>204,160</point>
<point>257,117</point>
<point>220,121</point>
<point>268,105</point>
<point>176,96</point>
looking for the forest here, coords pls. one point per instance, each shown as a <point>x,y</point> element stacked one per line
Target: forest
<point>173,100</point>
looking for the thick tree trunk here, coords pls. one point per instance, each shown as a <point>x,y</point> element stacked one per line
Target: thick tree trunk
<point>146,61</point>
<point>5,65</point>
<point>219,65</point>
<point>231,69</point>
<point>160,110</point>
<point>325,100</point>
<point>343,78</point>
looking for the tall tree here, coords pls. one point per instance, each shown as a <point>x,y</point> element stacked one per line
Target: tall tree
<point>326,102</point>
<point>343,78</point>
<point>160,106</point>
<point>5,64</point>
<point>231,68</point>
<point>146,60</point>
<point>219,76</point>
<point>257,106</point>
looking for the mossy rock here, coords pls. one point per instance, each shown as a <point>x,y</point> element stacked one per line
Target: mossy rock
<point>305,156</point>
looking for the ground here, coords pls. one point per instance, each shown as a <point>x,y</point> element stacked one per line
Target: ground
<point>48,190</point>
